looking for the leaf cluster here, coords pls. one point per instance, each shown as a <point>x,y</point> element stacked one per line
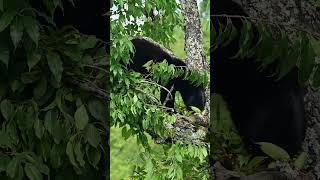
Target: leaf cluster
<point>49,128</point>
<point>258,42</point>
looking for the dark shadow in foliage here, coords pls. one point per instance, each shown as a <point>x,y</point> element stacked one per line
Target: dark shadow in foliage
<point>263,110</point>
<point>89,18</point>
<point>145,51</point>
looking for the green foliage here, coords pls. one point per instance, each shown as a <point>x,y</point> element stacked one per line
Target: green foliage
<point>281,54</point>
<point>178,161</point>
<point>49,128</point>
<point>135,106</point>
<point>158,69</point>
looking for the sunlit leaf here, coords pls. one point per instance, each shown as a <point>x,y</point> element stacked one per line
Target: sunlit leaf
<point>301,160</point>
<point>275,152</point>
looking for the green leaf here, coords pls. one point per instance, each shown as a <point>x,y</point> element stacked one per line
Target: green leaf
<point>274,151</point>
<point>13,167</point>
<point>40,88</point>
<point>231,36</point>
<point>32,172</point>
<point>51,5</point>
<point>6,18</point>
<point>16,31</point>
<point>36,162</point>
<point>4,55</point>
<point>15,85</point>
<point>301,160</point>
<point>20,174</point>
<point>126,133</point>
<point>29,119</point>
<point>42,167</point>
<point>81,117</point>
<point>255,162</point>
<point>30,77</point>
<point>73,52</point>
<point>93,156</point>
<point>7,109</point>
<point>58,132</point>
<point>38,128</point>
<point>33,59</point>
<point>97,109</point>
<point>290,61</point>
<point>195,109</point>
<point>4,161</point>
<point>55,65</point>
<point>70,153</point>
<point>79,154</point>
<point>93,135</point>
<point>88,43</point>
<point>178,157</point>
<point>25,116</point>
<point>55,156</point>
<point>306,61</point>
<point>31,26</point>
<point>50,119</point>
<point>12,133</point>
<point>5,141</point>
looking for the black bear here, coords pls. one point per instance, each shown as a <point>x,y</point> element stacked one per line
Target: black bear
<point>263,110</point>
<point>145,50</point>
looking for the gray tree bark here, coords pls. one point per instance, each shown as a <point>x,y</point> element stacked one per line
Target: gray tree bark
<point>196,58</point>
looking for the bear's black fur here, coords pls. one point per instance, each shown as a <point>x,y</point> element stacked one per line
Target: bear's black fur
<point>263,110</point>
<point>146,51</point>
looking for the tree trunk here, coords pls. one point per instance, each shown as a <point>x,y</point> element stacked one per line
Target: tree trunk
<point>196,58</point>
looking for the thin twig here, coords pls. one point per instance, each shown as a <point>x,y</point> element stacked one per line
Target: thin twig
<point>150,82</point>
<point>167,97</point>
<point>148,94</point>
